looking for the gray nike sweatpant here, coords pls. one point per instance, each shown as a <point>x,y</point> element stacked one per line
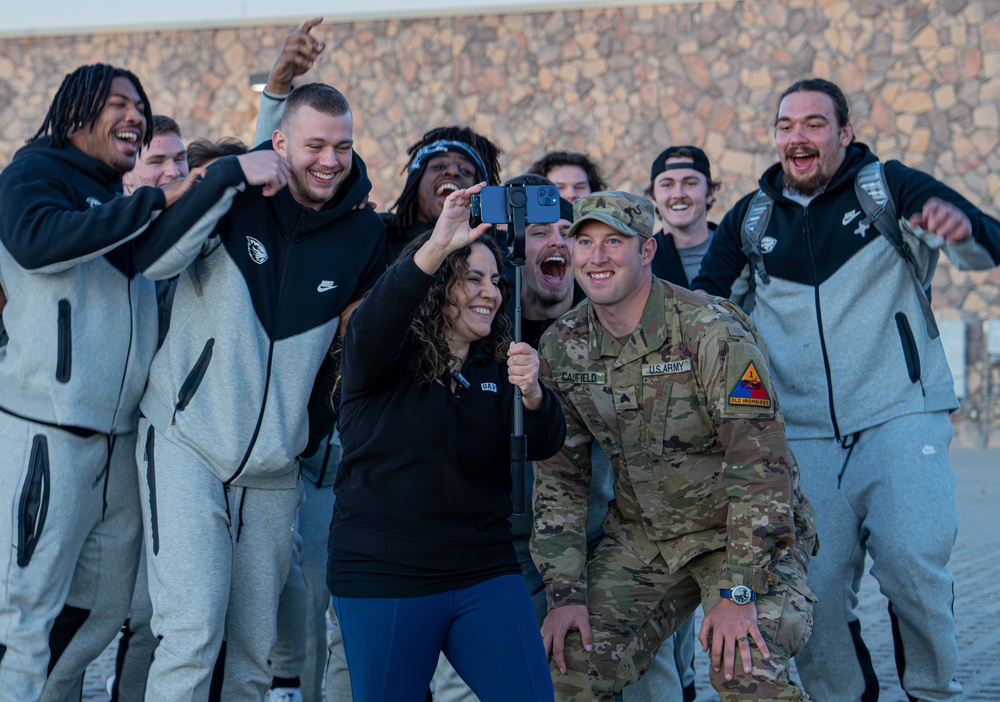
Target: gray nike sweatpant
<point>217,557</point>
<point>72,522</point>
<point>889,493</point>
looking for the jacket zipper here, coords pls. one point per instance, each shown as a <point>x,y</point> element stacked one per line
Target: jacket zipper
<point>819,321</point>
<point>64,354</point>
<point>270,355</point>
<point>193,380</point>
<point>326,459</point>
<point>131,332</point>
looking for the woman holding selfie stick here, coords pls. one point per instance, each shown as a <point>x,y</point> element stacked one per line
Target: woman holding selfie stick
<point>421,553</point>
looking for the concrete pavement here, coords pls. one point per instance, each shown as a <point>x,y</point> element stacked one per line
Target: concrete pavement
<point>975,562</point>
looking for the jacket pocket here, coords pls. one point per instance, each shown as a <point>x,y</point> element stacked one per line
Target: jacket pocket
<point>64,359</point>
<point>33,506</point>
<point>194,377</point>
<point>910,353</point>
<point>154,522</point>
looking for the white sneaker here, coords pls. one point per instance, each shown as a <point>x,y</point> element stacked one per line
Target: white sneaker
<point>283,694</point>
<point>110,685</point>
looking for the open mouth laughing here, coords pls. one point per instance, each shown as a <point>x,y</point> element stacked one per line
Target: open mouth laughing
<point>446,188</point>
<point>802,159</point>
<point>554,268</point>
<point>128,138</point>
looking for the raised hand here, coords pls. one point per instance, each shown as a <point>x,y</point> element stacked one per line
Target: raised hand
<point>451,232</point>
<point>265,168</point>
<point>176,188</point>
<point>298,54</point>
<point>944,219</point>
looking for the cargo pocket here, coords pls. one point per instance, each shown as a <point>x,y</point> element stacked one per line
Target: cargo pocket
<point>194,378</point>
<point>34,503</point>
<point>595,404</point>
<point>64,350</point>
<point>154,526</point>
<point>910,353</point>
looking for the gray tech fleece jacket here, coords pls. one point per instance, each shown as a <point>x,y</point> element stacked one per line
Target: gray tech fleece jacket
<point>81,320</point>
<point>256,310</point>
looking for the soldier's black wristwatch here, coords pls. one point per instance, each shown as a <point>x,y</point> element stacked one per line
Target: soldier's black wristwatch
<point>740,594</point>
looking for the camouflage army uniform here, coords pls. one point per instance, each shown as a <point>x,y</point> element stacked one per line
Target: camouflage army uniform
<point>706,492</point>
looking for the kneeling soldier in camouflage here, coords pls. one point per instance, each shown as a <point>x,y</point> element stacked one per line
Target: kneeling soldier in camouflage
<point>675,387</point>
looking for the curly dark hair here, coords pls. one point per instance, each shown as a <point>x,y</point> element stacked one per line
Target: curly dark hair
<point>429,329</point>
<point>406,207</point>
<point>554,159</point>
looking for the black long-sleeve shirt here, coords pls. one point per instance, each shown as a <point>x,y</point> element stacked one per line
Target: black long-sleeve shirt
<point>424,487</point>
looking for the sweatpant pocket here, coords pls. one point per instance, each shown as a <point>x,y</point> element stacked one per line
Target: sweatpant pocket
<point>34,503</point>
<point>154,526</point>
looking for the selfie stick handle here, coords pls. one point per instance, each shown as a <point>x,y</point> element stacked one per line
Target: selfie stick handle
<point>518,441</point>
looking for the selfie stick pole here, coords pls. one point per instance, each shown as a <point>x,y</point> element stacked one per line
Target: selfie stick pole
<point>517,200</point>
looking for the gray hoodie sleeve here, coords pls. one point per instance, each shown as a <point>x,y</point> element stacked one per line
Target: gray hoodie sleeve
<point>183,230</point>
<point>272,107</point>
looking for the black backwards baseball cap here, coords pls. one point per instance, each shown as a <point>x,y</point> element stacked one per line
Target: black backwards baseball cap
<point>566,210</point>
<point>698,162</point>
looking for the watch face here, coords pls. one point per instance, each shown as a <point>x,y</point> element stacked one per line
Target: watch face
<point>741,594</point>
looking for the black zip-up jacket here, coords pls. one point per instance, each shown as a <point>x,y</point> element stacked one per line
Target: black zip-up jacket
<point>667,264</point>
<point>255,313</point>
<point>81,320</point>
<point>424,485</point>
<point>849,345</point>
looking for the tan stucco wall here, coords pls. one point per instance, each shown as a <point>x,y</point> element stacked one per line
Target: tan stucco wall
<point>619,84</point>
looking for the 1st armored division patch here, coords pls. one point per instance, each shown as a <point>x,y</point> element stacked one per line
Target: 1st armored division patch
<point>749,389</point>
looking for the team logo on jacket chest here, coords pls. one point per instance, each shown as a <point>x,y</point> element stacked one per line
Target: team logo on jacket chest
<point>258,254</point>
<point>767,244</point>
<point>93,202</point>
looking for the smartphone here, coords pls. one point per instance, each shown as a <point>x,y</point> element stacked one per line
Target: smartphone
<point>494,203</point>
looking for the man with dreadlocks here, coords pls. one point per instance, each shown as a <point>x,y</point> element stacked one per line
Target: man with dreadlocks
<point>82,331</point>
<point>445,159</point>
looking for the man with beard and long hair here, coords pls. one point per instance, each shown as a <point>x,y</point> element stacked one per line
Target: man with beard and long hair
<point>855,353</point>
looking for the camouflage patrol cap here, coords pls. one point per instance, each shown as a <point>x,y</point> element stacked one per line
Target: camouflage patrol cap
<point>632,215</point>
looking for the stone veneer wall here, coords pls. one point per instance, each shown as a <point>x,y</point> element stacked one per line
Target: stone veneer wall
<point>619,84</point>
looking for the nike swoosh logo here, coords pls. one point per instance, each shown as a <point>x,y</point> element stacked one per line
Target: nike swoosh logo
<point>850,217</point>
<point>326,285</point>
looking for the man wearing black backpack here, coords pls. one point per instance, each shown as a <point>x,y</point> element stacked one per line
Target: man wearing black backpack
<point>841,251</point>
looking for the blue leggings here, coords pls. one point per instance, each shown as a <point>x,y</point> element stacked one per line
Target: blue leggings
<point>488,632</point>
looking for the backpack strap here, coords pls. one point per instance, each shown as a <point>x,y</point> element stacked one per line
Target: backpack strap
<point>755,223</point>
<point>873,193</point>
